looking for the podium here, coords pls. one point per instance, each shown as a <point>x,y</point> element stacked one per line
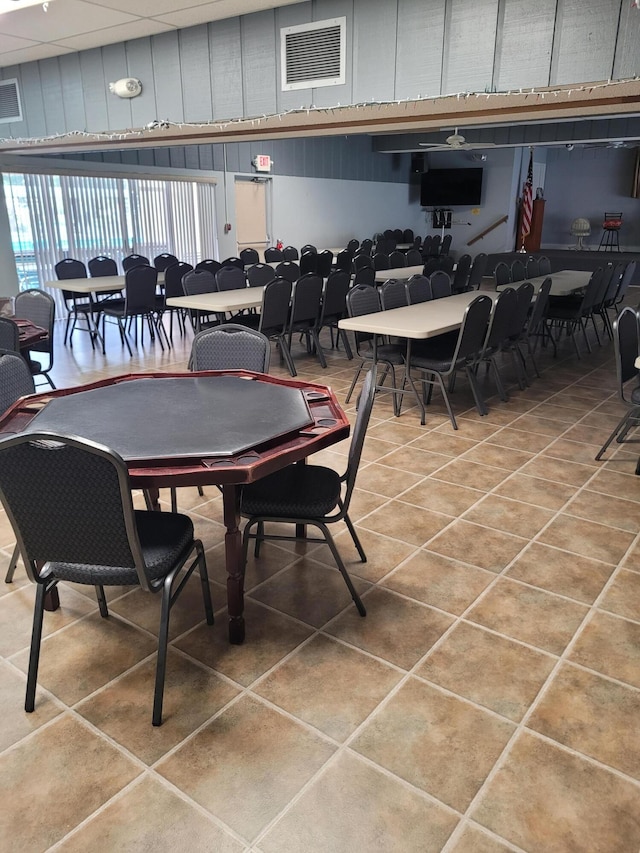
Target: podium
<point>534,237</point>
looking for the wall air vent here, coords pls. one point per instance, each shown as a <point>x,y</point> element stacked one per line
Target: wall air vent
<point>10,108</point>
<point>313,55</point>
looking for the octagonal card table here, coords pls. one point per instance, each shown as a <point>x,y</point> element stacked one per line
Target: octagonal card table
<point>224,428</point>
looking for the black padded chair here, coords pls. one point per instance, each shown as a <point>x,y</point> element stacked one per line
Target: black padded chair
<point>397,234</point>
<point>496,340</point>
<point>477,272</point>
<point>140,303</point>
<point>440,284</point>
<point>441,357</point>
<point>352,246</point>
<point>518,271</point>
<point>230,346</point>
<point>393,294</point>
<point>290,253</point>
<point>610,297</point>
<point>407,236</point>
<point>518,331</point>
<point>164,260</point>
<point>535,327</point>
<point>324,263</point>
<point>311,495</point>
<point>70,499</point>
<point>418,290</point>
<point>289,270</point>
<point>78,305</point>
<point>435,244</point>
<point>308,262</point>
<point>40,308</point>
<point>230,277</point>
<point>134,260</point>
<point>308,248</point>
<point>9,336</point>
<point>104,267</point>
<point>305,313</point>
<point>260,274</point>
<point>381,261</point>
<point>365,247</point>
<point>544,265</point>
<point>344,260</point>
<point>273,255</point>
<point>273,319</point>
<point>428,250</point>
<point>461,274</point>
<point>249,256</point>
<point>625,281</point>
<point>209,264</point>
<point>194,283</point>
<point>533,268</point>
<point>397,259</point>
<point>365,275</point>
<point>16,380</point>
<point>502,274</point>
<point>334,308</point>
<point>362,261</point>
<point>364,299</point>
<point>414,258</point>
<point>233,261</point>
<point>445,245</point>
<point>571,313</point>
<point>173,276</point>
<point>626,338</point>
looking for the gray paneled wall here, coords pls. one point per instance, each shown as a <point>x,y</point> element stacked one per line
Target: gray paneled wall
<point>396,49</point>
<point>346,158</point>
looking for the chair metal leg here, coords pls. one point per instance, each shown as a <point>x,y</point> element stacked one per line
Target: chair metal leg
<point>354,380</point>
<point>356,539</point>
<point>163,639</point>
<point>36,638</point>
<point>342,568</point>
<point>13,564</point>
<point>620,430</point>
<point>102,601</point>
<point>204,580</point>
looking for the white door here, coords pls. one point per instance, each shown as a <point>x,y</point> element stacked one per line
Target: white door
<point>251,215</point>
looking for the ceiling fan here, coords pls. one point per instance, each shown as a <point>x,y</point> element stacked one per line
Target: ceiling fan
<point>455,142</point>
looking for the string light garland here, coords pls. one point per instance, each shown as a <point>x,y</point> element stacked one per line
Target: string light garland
<point>255,121</point>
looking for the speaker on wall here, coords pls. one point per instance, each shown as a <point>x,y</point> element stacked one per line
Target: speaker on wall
<point>417,162</point>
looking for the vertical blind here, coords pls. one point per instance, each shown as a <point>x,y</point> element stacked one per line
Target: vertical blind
<point>69,216</point>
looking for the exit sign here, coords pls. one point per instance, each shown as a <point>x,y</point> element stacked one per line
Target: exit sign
<point>262,162</point>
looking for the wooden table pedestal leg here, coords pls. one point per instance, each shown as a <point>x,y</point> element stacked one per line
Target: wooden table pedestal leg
<point>234,563</point>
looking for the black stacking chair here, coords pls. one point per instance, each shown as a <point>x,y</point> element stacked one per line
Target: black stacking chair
<point>381,261</point>
<point>518,331</point>
<point>134,260</point>
<point>334,307</point>
<point>365,247</point>
<point>308,248</point>
<point>393,294</point>
<point>518,271</point>
<point>16,380</point>
<point>365,275</point>
<point>104,267</point>
<point>572,312</point>
<point>440,284</point>
<point>305,313</point>
<point>536,327</point>
<point>140,303</point>
<point>344,260</point>
<point>40,308</point>
<point>431,266</point>
<point>414,258</point>
<point>308,262</point>
<point>273,255</point>
<point>397,234</point>
<point>324,263</point>
<point>362,261</point>
<point>445,245</point>
<point>441,357</point>
<point>209,265</point>
<point>625,281</point>
<point>502,274</point>
<point>249,256</point>
<point>273,319</point>
<point>397,259</point>
<point>407,236</point>
<point>78,305</point>
<point>544,266</point>
<point>9,336</point>
<point>260,274</point>
<point>311,495</point>
<point>461,274</point>
<point>418,289</point>
<point>230,277</point>
<point>607,283</point>
<point>290,253</point>
<point>164,260</point>
<point>194,283</point>
<point>289,270</point>
<point>610,297</point>
<point>353,246</point>
<point>233,261</point>
<point>626,338</point>
<point>435,244</point>
<point>477,271</point>
<point>500,327</point>
<point>364,299</point>
<point>173,276</point>
<point>230,346</point>
<point>63,495</point>
<point>428,250</point>
<point>533,268</point>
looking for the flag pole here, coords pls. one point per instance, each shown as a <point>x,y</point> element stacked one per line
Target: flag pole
<point>527,204</point>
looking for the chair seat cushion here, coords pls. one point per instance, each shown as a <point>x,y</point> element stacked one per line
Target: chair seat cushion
<point>635,396</point>
<point>165,537</point>
<point>393,353</point>
<point>298,491</point>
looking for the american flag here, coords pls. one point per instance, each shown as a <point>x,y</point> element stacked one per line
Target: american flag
<point>527,200</point>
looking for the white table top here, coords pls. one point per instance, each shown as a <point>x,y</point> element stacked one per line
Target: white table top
<point>91,285</point>
<point>220,301</point>
<point>424,320</point>
<point>563,282</point>
<point>398,273</point>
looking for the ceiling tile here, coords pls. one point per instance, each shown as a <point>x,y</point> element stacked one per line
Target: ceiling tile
<point>216,11</point>
<point>111,35</point>
<point>64,18</point>
<point>31,54</point>
<point>153,8</point>
<point>12,43</point>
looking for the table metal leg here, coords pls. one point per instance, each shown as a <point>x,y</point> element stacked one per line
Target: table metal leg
<point>234,562</point>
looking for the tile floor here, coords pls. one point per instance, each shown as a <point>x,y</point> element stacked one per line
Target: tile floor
<point>489,701</point>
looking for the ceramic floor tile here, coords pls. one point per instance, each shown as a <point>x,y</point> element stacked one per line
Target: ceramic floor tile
<point>519,611</point>
<point>474,840</point>
<point>447,498</point>
<point>164,821</point>
<point>623,596</point>
<point>611,645</point>
<point>499,457</point>
<point>605,509</point>
<point>439,581</point>
<point>351,685</point>
<point>66,757</point>
<point>245,766</point>
<point>616,484</point>
<point>494,672</point>
<point>536,491</point>
<point>415,461</point>
<point>16,723</point>
<point>353,806</point>
<point>395,628</point>
<point>471,543</point>
<point>538,425</point>
<point>471,474</point>
<point>436,742</point>
<point>587,538</point>
<point>443,442</point>
<point>560,572</point>
<point>573,451</point>
<point>385,480</point>
<point>411,524</point>
<point>587,713</point>
<point>383,554</point>
<point>508,515</point>
<point>545,799</point>
<point>518,439</point>
<point>549,468</point>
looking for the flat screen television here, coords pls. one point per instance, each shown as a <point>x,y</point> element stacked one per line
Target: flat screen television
<point>449,187</point>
